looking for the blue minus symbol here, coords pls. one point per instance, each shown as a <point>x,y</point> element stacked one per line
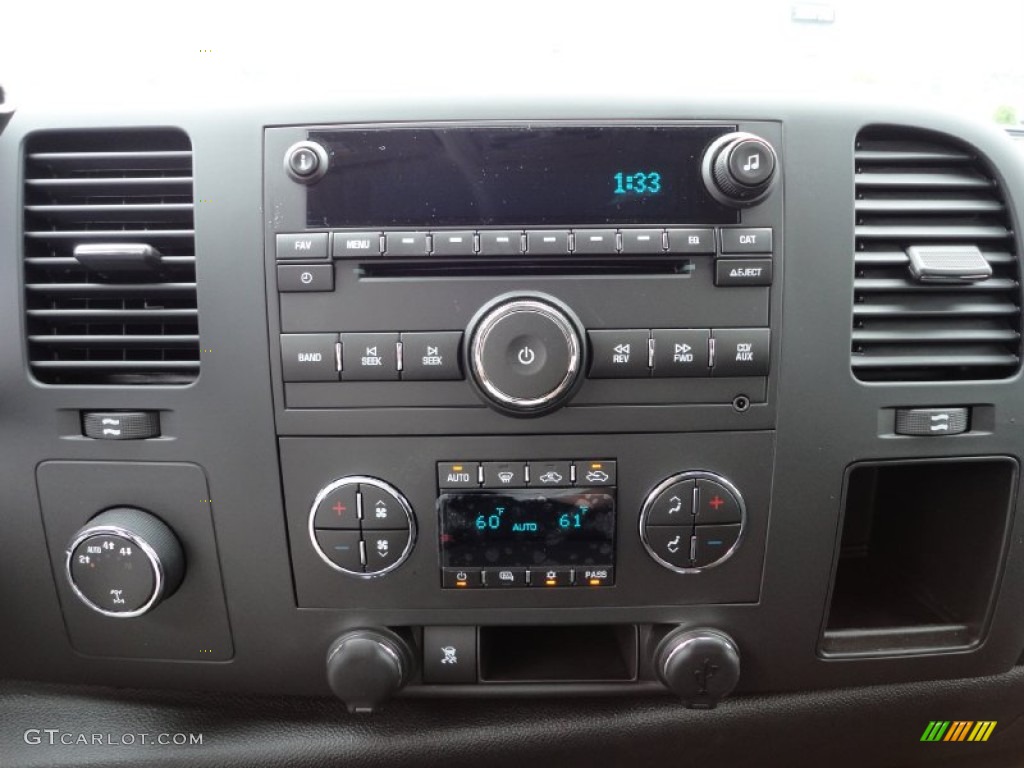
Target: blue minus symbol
<point>715,543</point>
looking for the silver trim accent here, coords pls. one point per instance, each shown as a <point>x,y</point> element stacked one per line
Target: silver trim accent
<point>142,544</point>
<point>380,484</point>
<point>486,326</point>
<point>697,474</point>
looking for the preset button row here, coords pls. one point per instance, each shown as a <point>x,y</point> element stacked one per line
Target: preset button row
<point>518,242</point>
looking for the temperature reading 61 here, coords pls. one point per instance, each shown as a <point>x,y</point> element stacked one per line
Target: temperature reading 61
<point>573,519</point>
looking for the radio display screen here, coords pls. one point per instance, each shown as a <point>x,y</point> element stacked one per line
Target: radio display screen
<point>527,528</point>
<point>515,176</point>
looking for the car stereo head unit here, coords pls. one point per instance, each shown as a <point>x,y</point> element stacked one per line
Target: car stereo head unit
<point>570,271</point>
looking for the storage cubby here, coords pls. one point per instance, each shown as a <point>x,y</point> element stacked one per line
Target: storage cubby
<point>920,555</point>
<point>576,653</point>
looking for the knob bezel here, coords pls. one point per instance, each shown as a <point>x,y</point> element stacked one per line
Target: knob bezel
<point>711,156</point>
<point>159,573</point>
<point>696,474</point>
<point>381,485</point>
<point>485,322</point>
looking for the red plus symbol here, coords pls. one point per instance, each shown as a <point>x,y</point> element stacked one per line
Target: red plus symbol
<point>339,508</point>
<point>717,502</point>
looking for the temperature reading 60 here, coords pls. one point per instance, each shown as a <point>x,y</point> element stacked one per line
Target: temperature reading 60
<point>490,522</point>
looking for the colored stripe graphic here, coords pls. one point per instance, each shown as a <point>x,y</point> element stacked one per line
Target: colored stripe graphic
<point>935,730</point>
<point>982,730</point>
<point>958,731</point>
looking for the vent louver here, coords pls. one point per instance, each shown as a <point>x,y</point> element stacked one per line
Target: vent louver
<point>917,188</point>
<point>126,313</point>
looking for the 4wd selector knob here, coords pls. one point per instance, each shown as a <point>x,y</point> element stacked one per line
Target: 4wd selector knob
<point>739,169</point>
<point>124,562</point>
<point>525,354</point>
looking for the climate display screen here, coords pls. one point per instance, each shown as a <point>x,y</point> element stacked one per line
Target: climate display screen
<point>524,528</point>
<point>515,176</point>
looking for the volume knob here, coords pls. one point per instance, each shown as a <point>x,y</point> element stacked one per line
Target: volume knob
<point>739,169</point>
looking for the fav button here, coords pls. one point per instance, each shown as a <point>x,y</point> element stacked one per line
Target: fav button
<point>309,245</point>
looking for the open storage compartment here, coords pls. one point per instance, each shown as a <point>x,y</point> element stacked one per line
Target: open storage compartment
<point>920,555</point>
<point>577,653</point>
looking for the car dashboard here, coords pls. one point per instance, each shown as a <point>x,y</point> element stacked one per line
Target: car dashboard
<point>656,420</point>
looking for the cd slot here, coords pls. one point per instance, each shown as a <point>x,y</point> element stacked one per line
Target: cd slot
<point>520,267</point>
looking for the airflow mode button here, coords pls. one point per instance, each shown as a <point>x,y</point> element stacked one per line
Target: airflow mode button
<point>929,422</point>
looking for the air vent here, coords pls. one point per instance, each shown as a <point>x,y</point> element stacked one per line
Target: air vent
<point>916,190</point>
<point>110,277</point>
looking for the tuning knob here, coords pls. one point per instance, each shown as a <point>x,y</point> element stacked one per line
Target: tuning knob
<point>739,169</point>
<point>124,562</point>
<point>525,354</point>
<point>366,667</point>
<point>701,666</point>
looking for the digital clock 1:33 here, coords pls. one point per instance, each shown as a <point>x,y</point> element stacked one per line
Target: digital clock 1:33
<point>638,183</point>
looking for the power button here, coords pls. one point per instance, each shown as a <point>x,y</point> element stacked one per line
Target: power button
<point>525,355</point>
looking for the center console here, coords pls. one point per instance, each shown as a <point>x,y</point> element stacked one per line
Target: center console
<point>525,365</point>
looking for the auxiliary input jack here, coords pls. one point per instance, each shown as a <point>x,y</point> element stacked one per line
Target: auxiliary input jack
<point>741,403</point>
